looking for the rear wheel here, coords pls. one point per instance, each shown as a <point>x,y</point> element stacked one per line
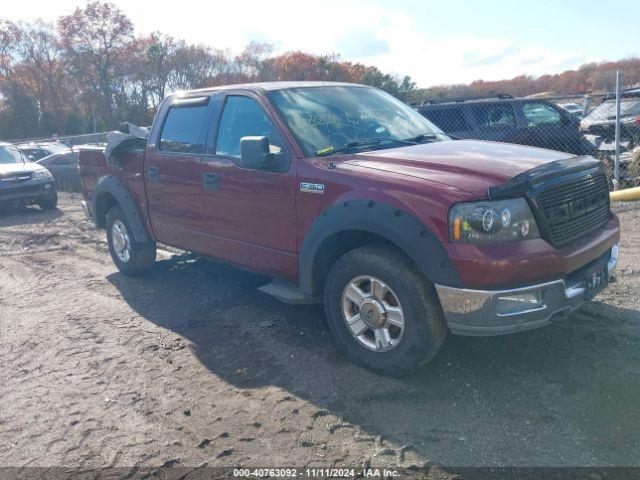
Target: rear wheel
<point>131,257</point>
<point>382,311</point>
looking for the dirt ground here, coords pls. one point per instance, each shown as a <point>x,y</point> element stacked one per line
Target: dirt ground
<point>192,366</point>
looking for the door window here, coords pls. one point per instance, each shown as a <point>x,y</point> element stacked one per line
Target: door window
<point>182,130</point>
<point>494,116</point>
<point>448,119</point>
<point>244,117</point>
<point>63,160</point>
<point>540,114</point>
<point>35,153</point>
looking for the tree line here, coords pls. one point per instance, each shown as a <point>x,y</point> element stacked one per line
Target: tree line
<point>89,70</point>
<point>588,78</point>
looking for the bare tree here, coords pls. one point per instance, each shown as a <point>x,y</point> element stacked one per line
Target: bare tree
<point>96,39</point>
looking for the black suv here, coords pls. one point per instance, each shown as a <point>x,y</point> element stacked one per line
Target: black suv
<point>534,122</point>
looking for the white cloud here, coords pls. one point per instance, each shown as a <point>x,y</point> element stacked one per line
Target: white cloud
<point>463,58</point>
<point>390,36</point>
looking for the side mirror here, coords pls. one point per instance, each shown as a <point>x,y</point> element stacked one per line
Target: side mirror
<point>254,152</point>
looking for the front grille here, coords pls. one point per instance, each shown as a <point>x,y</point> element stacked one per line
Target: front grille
<point>573,208</point>
<point>10,178</point>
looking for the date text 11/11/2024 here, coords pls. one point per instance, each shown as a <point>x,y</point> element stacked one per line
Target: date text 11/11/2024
<point>314,472</point>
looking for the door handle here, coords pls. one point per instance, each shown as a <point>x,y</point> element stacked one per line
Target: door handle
<point>153,173</point>
<point>210,181</point>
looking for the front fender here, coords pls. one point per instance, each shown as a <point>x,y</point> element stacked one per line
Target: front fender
<point>402,229</point>
<point>111,185</point>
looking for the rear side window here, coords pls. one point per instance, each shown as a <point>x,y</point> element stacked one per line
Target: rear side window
<point>182,130</point>
<point>494,116</point>
<point>35,153</point>
<point>540,114</point>
<point>447,119</point>
<point>68,159</point>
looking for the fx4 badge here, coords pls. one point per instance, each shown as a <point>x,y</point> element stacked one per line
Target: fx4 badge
<point>312,188</point>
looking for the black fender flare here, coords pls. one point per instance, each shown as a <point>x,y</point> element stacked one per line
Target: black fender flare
<point>400,228</point>
<point>113,186</point>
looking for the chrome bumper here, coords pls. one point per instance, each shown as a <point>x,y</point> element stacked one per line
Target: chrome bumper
<point>496,312</point>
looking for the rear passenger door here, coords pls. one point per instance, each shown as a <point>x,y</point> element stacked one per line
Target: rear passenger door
<point>250,213</point>
<point>173,173</point>
<point>495,122</point>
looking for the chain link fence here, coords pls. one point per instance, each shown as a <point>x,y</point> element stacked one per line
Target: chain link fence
<point>584,124</point>
<point>576,124</point>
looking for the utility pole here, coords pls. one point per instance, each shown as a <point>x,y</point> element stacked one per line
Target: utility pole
<point>93,117</point>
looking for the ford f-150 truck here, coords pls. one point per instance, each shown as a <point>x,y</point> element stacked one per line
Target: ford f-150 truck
<point>347,196</point>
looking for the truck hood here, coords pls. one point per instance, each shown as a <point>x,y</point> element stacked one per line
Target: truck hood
<point>470,165</point>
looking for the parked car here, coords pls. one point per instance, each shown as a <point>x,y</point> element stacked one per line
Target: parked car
<point>574,109</point>
<point>38,150</point>
<point>347,196</point>
<point>65,169</point>
<point>601,121</point>
<point>24,182</point>
<point>533,122</point>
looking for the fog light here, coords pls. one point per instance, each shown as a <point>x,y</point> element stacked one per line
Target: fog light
<point>519,303</point>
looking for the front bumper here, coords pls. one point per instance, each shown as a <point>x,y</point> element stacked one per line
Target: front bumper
<point>27,191</point>
<point>496,312</point>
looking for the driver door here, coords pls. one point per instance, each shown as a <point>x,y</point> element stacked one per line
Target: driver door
<point>250,214</point>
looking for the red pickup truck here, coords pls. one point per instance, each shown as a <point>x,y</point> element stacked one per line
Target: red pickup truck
<point>347,196</point>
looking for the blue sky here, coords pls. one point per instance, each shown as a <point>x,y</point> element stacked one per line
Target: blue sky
<point>436,42</point>
<point>599,28</point>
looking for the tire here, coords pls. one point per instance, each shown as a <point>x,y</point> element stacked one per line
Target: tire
<point>424,329</point>
<point>139,256</point>
<point>49,202</point>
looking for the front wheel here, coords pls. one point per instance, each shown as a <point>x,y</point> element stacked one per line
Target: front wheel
<point>382,311</point>
<point>49,202</point>
<point>131,257</point>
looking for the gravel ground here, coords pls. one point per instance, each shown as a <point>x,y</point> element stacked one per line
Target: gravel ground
<point>192,366</point>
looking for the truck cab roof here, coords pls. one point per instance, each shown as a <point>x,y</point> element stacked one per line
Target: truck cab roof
<point>271,86</point>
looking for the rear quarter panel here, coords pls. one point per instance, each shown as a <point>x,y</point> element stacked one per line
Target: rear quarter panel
<point>94,166</point>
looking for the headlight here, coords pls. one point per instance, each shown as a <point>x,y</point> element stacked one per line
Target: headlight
<point>41,173</point>
<point>492,221</point>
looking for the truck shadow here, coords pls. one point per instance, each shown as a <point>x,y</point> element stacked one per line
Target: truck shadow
<point>482,399</point>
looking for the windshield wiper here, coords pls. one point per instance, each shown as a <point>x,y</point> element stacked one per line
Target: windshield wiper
<point>363,142</point>
<point>423,137</point>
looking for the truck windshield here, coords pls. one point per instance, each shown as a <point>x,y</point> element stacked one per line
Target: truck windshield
<point>10,155</point>
<point>330,118</point>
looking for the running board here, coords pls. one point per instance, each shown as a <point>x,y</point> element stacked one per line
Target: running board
<point>288,293</point>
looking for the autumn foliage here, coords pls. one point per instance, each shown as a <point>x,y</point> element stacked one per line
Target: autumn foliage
<point>90,70</point>
<point>589,78</point>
